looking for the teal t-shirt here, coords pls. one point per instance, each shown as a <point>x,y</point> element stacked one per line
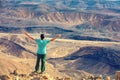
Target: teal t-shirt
<point>41,46</point>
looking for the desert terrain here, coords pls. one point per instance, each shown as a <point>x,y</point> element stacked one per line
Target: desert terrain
<point>89,45</point>
<point>65,57</point>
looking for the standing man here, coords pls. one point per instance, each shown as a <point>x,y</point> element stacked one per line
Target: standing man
<point>41,52</point>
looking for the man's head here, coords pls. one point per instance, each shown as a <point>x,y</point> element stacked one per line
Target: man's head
<point>42,36</point>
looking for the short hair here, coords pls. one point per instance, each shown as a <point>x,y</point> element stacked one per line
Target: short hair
<point>42,36</point>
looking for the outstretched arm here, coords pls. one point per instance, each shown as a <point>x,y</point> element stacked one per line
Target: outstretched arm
<point>28,35</point>
<point>58,36</point>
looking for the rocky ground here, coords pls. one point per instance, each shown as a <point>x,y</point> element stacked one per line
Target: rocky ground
<point>32,76</point>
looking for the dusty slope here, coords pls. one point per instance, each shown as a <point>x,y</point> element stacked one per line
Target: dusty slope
<point>11,48</point>
<point>97,60</point>
<point>9,64</point>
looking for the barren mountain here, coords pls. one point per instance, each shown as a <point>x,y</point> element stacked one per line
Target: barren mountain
<point>94,19</point>
<point>76,23</point>
<point>70,4</point>
<point>87,21</point>
<point>26,12</point>
<point>97,60</point>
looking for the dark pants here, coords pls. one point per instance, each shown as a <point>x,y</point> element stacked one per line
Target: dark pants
<point>41,57</point>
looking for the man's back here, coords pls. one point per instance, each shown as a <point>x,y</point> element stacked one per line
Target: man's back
<point>42,46</point>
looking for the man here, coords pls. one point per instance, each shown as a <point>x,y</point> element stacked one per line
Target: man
<point>41,52</point>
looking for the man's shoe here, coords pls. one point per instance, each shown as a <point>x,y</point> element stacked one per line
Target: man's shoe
<point>35,72</point>
<point>42,72</point>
